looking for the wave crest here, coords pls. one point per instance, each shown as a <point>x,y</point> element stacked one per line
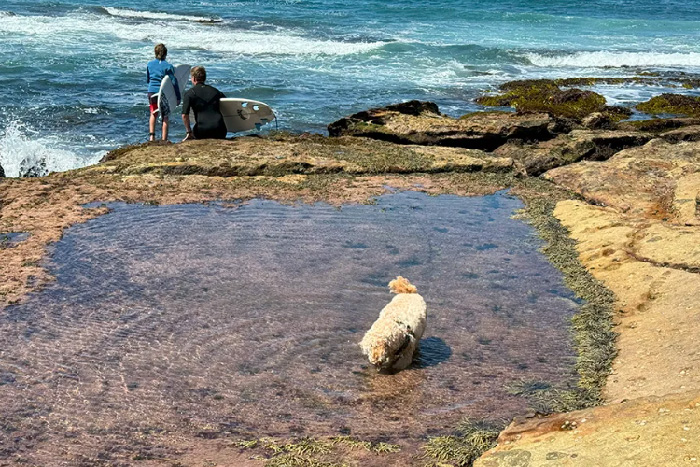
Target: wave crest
<point>135,14</point>
<point>19,151</point>
<point>615,59</point>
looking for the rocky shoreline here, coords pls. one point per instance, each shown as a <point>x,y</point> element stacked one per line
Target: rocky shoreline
<point>621,200</point>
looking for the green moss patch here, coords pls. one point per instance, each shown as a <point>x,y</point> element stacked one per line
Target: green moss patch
<point>546,96</point>
<point>311,452</point>
<point>464,447</point>
<point>675,104</point>
<point>593,334</point>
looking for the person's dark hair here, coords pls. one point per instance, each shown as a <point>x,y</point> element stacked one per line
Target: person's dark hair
<point>161,51</point>
<point>199,73</point>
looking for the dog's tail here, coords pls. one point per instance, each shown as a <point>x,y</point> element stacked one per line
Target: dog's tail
<point>401,285</point>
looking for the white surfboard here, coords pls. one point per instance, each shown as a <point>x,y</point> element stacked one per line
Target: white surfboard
<point>244,114</point>
<point>182,74</point>
<point>166,94</point>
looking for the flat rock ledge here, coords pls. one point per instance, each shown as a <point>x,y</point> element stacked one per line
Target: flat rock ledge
<point>638,231</point>
<point>293,154</point>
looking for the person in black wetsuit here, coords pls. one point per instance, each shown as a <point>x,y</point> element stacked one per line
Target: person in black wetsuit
<point>204,102</point>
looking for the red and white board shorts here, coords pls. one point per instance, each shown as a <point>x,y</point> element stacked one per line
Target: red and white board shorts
<point>153,101</point>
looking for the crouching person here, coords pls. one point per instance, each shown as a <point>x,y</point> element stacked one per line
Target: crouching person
<point>203,100</point>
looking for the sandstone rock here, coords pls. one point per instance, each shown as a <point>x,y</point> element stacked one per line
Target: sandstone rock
<point>649,266</point>
<point>686,200</point>
<point>640,181</point>
<point>598,121</point>
<point>652,431</point>
<point>657,125</point>
<point>305,154</point>
<point>573,147</point>
<point>689,133</point>
<point>677,247</point>
<point>481,130</point>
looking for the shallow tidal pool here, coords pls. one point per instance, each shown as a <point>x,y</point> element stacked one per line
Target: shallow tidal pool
<point>245,319</point>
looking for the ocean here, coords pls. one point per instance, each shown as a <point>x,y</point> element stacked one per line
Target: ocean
<point>73,77</point>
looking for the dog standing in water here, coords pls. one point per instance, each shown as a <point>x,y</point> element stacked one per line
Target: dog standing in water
<point>394,336</point>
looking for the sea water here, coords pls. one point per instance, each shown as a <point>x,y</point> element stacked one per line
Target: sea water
<point>72,72</point>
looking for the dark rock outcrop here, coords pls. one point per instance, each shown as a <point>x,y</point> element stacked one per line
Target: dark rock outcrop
<point>566,149</point>
<point>2,171</point>
<point>421,123</point>
<point>657,125</point>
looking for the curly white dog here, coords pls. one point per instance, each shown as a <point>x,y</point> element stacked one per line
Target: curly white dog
<point>394,337</point>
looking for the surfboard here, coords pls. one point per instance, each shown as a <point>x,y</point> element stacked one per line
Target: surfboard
<point>244,114</point>
<point>167,98</point>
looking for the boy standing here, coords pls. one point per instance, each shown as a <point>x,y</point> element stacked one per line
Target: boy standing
<point>156,70</point>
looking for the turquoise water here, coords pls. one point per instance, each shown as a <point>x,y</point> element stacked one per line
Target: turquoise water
<point>75,69</point>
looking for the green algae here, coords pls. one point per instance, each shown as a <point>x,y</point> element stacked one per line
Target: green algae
<point>592,326</point>
<point>461,449</point>
<point>310,452</point>
<point>546,96</point>
<point>675,104</point>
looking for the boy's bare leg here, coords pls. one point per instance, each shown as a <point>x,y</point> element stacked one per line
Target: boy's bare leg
<point>166,125</point>
<point>152,127</point>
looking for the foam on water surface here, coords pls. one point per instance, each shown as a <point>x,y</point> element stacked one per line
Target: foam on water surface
<point>247,319</point>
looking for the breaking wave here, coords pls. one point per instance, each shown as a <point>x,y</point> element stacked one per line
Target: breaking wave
<point>20,150</point>
<point>616,59</point>
<point>219,37</point>
<point>126,13</point>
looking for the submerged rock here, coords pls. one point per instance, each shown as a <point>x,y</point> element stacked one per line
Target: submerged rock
<point>422,124</point>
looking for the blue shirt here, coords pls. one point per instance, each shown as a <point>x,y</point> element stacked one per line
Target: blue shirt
<point>156,70</point>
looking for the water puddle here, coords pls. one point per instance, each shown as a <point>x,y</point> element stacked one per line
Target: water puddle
<point>202,319</point>
<point>12,239</point>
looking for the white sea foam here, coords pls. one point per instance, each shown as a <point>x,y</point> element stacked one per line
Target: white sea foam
<point>61,32</point>
<point>18,145</point>
<point>126,13</point>
<point>616,59</point>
